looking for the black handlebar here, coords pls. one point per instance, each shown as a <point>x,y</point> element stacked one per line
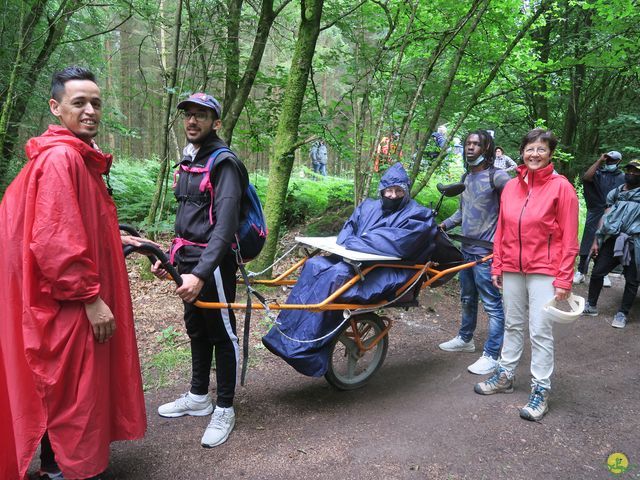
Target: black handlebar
<point>152,252</point>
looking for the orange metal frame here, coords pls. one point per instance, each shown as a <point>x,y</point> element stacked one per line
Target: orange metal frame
<point>327,304</point>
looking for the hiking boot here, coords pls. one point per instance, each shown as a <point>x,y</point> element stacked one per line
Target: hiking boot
<point>219,428</point>
<point>619,320</point>
<point>500,382</point>
<point>485,364</point>
<point>578,278</point>
<point>590,310</point>
<point>538,404</point>
<point>185,405</point>
<point>457,344</point>
<point>606,282</point>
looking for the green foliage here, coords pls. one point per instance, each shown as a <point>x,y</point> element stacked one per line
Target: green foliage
<point>172,357</point>
<point>133,182</point>
<point>313,195</point>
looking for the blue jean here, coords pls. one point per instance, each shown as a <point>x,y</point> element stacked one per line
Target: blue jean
<point>475,284</point>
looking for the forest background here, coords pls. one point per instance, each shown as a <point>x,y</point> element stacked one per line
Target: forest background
<point>289,72</point>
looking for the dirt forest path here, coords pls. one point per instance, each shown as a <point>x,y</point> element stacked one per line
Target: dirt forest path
<point>418,418</point>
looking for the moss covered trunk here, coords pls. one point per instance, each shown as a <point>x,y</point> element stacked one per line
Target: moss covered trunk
<point>286,140</point>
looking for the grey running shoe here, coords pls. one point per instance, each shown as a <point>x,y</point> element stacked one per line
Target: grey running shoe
<point>457,344</point>
<point>220,426</point>
<point>619,320</point>
<point>185,405</point>
<point>590,310</point>
<point>500,382</point>
<point>538,404</point>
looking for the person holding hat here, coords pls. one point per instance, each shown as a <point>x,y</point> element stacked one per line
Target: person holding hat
<point>618,243</point>
<point>205,226</point>
<point>534,252</point>
<point>600,178</point>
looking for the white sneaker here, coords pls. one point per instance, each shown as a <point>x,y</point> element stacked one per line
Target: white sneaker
<point>606,282</point>
<point>219,428</point>
<point>457,344</point>
<point>485,364</point>
<point>185,405</point>
<point>578,278</point>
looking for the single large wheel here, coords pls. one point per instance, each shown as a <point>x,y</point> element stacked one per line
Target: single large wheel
<point>351,366</point>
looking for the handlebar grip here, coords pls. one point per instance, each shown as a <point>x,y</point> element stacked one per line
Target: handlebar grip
<point>154,253</point>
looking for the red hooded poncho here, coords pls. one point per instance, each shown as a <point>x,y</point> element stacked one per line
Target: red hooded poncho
<point>61,247</point>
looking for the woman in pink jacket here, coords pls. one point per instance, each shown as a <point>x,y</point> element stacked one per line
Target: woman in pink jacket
<point>535,246</point>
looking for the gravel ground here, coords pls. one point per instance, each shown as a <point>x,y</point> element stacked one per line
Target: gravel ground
<point>418,418</point>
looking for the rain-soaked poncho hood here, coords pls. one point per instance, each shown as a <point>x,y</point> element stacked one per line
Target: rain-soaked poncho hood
<point>396,176</point>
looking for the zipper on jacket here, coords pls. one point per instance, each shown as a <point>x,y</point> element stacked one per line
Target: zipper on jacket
<point>549,248</point>
<point>520,218</point>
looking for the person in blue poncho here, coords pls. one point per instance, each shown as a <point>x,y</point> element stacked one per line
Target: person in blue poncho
<point>394,225</point>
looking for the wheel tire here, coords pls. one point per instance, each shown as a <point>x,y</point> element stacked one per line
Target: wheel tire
<point>348,368</point>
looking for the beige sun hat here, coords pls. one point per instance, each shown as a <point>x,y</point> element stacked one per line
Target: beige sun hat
<point>561,316</point>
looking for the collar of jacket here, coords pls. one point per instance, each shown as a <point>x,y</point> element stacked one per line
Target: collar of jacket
<point>537,177</point>
<point>212,142</point>
<point>57,135</point>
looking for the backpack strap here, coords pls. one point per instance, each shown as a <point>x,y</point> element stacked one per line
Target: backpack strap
<point>247,320</point>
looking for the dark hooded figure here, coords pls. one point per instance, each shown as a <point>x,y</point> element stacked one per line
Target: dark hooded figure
<point>393,225</point>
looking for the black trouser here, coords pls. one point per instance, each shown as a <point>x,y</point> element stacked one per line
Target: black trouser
<point>214,331</point>
<point>605,262</point>
<point>588,235</point>
<point>47,458</point>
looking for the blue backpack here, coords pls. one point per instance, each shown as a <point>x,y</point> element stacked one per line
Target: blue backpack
<point>252,232</point>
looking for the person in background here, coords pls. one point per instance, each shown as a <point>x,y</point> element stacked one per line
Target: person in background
<point>504,162</point>
<point>478,215</point>
<point>322,158</point>
<point>69,368</point>
<point>535,247</point>
<point>387,152</point>
<point>599,179</point>
<point>617,242</point>
<point>313,155</point>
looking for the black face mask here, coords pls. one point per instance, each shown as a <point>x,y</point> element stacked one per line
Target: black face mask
<point>391,204</point>
<point>632,180</point>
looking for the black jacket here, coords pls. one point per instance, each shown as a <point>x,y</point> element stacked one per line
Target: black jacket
<point>229,179</point>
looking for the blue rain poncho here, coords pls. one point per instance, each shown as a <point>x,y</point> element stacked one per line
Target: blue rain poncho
<point>406,230</point>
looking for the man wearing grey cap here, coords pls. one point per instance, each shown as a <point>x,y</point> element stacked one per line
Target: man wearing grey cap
<point>209,190</point>
<point>601,177</point>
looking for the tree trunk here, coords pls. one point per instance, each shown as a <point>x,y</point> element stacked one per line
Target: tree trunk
<point>234,104</point>
<point>473,101</point>
<point>171,74</point>
<point>453,70</point>
<point>286,140</point>
<point>232,52</point>
<point>390,89</point>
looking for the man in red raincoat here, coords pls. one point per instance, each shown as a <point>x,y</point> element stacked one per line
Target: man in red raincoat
<point>69,369</point>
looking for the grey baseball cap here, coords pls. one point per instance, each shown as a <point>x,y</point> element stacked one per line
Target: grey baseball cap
<point>613,155</point>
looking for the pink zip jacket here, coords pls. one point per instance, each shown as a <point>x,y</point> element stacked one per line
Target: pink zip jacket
<point>537,228</point>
